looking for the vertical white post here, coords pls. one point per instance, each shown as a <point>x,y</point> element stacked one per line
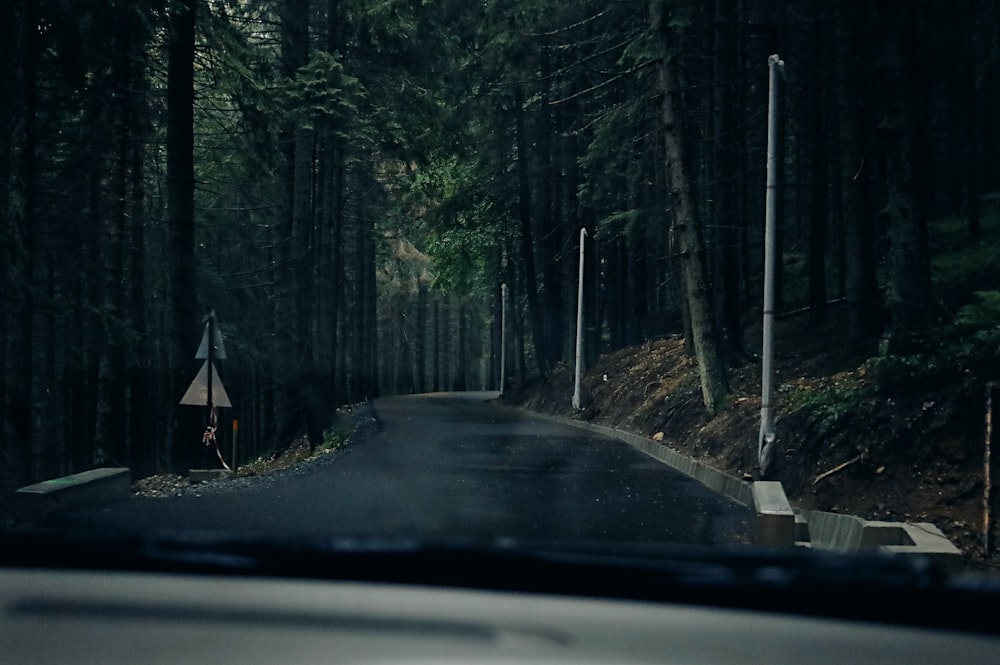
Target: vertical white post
<point>766,440</point>
<point>577,406</point>
<point>503,338</point>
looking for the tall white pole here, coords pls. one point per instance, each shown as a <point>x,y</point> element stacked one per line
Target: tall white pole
<point>503,337</point>
<point>577,401</point>
<point>766,440</point>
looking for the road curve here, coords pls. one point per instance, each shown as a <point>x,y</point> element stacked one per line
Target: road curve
<point>457,465</point>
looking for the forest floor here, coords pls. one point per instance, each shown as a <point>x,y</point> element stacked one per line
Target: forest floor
<point>917,457</point>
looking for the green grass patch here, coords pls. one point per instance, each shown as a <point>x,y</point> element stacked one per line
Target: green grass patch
<point>830,403</point>
<point>337,435</point>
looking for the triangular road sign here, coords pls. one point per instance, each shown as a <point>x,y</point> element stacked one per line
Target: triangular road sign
<point>218,348</point>
<point>197,392</point>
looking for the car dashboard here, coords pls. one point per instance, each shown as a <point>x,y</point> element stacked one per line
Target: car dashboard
<point>191,600</point>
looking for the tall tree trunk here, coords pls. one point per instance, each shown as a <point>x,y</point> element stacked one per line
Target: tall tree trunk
<point>421,339</point>
<point>436,381</point>
<point>294,174</point>
<point>338,282</point>
<point>818,190</point>
<point>143,448</point>
<point>494,371</point>
<point>859,256</point>
<point>18,249</point>
<point>182,433</point>
<point>461,353</point>
<point>447,349</point>
<point>11,35</point>
<point>369,307</point>
<point>729,234</point>
<point>112,406</point>
<point>550,233</point>
<point>528,238</point>
<point>307,387</point>
<point>971,92</point>
<point>633,267</point>
<point>615,290</point>
<point>514,319</point>
<point>690,243</point>
<point>911,304</point>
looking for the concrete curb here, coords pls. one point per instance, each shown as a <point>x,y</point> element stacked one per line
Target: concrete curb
<point>32,504</point>
<point>719,481</point>
<point>776,522</point>
<point>847,533</point>
<point>775,518</point>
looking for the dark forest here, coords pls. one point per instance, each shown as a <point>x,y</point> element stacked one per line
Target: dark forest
<point>347,184</point>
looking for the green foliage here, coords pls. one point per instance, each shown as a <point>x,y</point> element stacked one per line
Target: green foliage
<point>614,156</point>
<point>386,24</point>
<point>462,256</point>
<point>643,49</point>
<point>322,95</point>
<point>983,315</point>
<point>337,435</point>
<point>456,221</point>
<point>955,355</point>
<point>912,372</point>
<point>621,222</point>
<point>828,404</point>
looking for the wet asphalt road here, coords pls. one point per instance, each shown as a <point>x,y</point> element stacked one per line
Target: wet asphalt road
<point>456,466</point>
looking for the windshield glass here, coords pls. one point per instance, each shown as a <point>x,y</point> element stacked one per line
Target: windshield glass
<point>589,274</point>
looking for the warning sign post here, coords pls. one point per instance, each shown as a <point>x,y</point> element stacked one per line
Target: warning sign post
<point>207,390</point>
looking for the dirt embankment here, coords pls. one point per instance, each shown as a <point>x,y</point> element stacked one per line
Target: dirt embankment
<point>846,445</point>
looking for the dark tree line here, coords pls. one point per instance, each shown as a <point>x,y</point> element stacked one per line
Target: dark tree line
<point>646,123</point>
<point>161,160</point>
<point>348,185</point>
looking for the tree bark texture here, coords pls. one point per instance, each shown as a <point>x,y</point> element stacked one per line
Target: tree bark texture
<point>691,247</point>
<point>183,296</point>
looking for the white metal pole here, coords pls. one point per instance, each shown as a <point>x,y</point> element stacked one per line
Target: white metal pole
<point>765,442</point>
<point>503,337</point>
<point>579,329</point>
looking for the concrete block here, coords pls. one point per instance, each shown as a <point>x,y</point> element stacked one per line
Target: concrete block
<point>847,533</point>
<point>32,504</point>
<point>832,531</point>
<point>925,539</point>
<point>801,528</point>
<point>774,516</point>
<point>885,534</point>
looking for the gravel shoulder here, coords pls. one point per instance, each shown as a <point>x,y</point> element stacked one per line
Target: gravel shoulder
<point>296,460</point>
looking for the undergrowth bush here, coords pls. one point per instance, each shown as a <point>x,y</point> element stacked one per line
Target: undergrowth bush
<point>827,407</point>
<point>960,353</point>
<point>336,436</point>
